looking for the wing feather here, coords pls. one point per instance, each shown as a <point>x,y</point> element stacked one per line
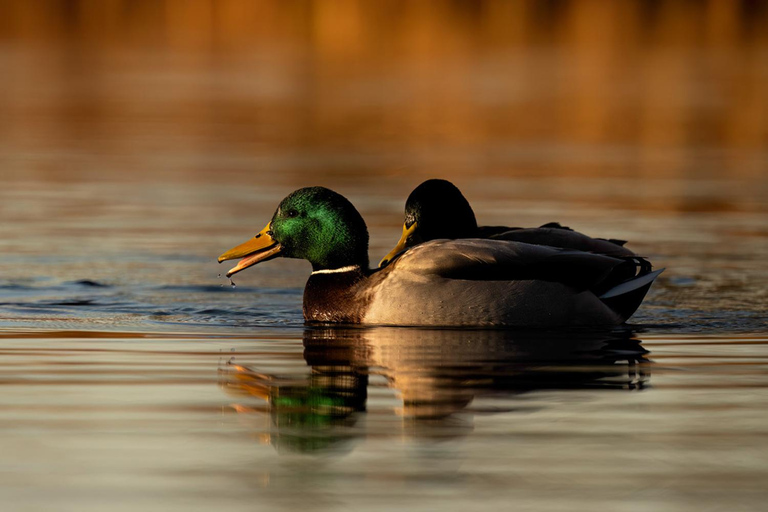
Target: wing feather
<point>564,238</point>
<point>502,260</point>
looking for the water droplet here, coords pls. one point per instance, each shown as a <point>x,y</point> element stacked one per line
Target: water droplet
<point>232,283</point>
<point>221,286</point>
<point>219,275</point>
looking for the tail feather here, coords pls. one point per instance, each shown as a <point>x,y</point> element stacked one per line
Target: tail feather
<point>626,297</point>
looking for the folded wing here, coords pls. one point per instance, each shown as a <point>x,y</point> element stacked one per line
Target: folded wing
<point>502,260</point>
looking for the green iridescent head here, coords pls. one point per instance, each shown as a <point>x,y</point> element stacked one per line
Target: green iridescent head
<point>313,223</point>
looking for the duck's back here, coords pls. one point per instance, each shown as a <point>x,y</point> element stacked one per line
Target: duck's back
<point>487,282</point>
<point>555,235</point>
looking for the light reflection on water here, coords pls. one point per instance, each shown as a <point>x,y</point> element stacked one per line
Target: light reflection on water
<point>349,417</point>
<point>441,375</point>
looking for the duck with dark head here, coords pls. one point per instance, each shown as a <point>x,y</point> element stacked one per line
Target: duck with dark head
<point>437,209</point>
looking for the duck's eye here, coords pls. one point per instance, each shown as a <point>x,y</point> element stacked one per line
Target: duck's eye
<point>292,213</point>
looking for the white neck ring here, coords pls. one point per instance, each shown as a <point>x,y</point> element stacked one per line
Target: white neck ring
<point>348,268</point>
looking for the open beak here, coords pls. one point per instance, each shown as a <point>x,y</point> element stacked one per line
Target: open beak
<point>262,247</point>
<point>400,247</point>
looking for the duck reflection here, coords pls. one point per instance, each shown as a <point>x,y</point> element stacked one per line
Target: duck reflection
<point>436,373</point>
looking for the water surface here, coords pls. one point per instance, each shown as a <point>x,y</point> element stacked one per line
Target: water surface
<point>139,140</point>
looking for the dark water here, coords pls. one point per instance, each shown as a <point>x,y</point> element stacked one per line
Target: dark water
<point>139,140</point>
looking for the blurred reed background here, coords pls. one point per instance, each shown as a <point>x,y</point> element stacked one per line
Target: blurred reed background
<point>446,87</point>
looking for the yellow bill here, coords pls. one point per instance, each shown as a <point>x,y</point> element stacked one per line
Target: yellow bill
<point>400,247</point>
<point>259,248</point>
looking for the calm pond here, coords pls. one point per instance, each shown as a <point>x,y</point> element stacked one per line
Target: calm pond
<point>139,140</point>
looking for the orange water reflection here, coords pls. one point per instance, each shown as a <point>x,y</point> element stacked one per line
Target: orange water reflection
<point>584,88</point>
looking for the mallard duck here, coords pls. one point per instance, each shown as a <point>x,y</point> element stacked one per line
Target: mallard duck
<point>465,282</point>
<point>437,209</point>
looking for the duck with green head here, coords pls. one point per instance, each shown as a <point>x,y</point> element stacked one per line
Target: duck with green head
<point>466,282</point>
